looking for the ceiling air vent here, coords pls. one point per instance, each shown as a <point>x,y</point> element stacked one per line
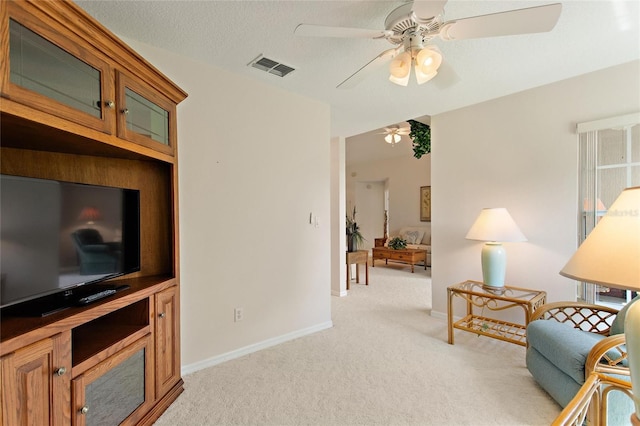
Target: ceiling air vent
<point>271,66</point>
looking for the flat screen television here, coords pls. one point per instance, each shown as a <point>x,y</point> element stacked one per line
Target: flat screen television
<point>57,237</point>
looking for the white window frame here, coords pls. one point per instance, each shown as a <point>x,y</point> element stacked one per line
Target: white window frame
<point>587,181</point>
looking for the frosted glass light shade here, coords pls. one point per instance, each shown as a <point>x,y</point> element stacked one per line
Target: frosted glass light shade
<point>610,255</point>
<point>422,77</point>
<point>392,138</point>
<point>428,60</point>
<point>400,68</point>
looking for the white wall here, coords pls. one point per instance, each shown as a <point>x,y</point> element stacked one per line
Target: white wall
<point>247,189</point>
<point>518,152</point>
<point>369,200</point>
<point>338,213</point>
<point>404,176</point>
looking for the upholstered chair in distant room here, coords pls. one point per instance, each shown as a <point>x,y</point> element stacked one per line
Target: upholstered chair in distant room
<point>95,256</point>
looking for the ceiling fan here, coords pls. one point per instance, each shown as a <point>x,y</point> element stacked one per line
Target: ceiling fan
<point>393,134</point>
<point>412,25</point>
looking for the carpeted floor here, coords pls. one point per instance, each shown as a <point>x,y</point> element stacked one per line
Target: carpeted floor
<point>385,362</point>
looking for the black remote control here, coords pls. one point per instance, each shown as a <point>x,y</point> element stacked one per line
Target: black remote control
<point>96,296</point>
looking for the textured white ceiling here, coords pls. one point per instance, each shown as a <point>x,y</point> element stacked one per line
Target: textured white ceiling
<point>590,35</point>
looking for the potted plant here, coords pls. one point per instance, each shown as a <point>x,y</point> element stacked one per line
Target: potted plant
<point>354,237</point>
<point>398,243</point>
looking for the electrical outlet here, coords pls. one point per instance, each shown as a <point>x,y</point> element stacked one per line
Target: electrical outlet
<point>238,314</point>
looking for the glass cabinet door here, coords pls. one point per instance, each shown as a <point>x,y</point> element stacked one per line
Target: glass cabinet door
<point>47,77</point>
<point>114,389</point>
<point>146,117</point>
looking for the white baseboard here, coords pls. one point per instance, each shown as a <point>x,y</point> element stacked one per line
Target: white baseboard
<point>439,315</point>
<point>341,293</point>
<point>218,359</point>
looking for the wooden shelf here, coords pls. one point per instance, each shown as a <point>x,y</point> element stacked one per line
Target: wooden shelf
<point>94,337</point>
<point>18,330</point>
<point>91,346</point>
<point>491,327</point>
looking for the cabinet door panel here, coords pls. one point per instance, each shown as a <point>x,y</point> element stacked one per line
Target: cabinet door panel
<point>33,383</point>
<point>41,66</point>
<point>167,360</point>
<point>144,116</point>
<point>35,389</point>
<point>119,390</point>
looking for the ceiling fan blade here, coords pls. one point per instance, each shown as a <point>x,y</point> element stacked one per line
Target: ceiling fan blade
<point>520,21</point>
<point>310,30</point>
<point>371,66</point>
<point>424,10</point>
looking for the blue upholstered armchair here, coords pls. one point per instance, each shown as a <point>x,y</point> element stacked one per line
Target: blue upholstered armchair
<point>568,341</point>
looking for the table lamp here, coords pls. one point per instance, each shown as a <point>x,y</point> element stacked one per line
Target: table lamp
<point>494,226</point>
<point>610,256</point>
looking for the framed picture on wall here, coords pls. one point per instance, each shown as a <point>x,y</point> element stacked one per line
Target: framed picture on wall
<point>425,204</point>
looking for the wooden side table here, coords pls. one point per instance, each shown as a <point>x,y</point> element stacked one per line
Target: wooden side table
<point>477,295</point>
<point>358,257</point>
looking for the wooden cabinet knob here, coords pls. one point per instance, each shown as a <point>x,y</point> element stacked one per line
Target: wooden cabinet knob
<point>162,315</point>
<point>61,371</point>
<point>84,410</point>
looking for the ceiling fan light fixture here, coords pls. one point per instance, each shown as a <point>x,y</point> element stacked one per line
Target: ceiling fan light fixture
<point>392,138</point>
<point>426,64</point>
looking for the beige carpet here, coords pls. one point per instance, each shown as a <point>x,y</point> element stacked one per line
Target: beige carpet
<point>385,362</point>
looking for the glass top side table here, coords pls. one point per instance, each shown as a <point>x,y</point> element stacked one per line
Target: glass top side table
<point>484,299</point>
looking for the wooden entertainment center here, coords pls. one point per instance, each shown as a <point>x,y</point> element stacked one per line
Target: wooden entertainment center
<point>56,369</point>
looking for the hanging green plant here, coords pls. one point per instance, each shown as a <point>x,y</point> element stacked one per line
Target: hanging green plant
<point>421,137</point>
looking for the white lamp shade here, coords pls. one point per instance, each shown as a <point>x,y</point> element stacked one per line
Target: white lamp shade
<point>611,253</point>
<point>587,205</point>
<point>495,224</point>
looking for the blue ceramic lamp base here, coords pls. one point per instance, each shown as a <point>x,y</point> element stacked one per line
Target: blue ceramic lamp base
<point>494,264</point>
